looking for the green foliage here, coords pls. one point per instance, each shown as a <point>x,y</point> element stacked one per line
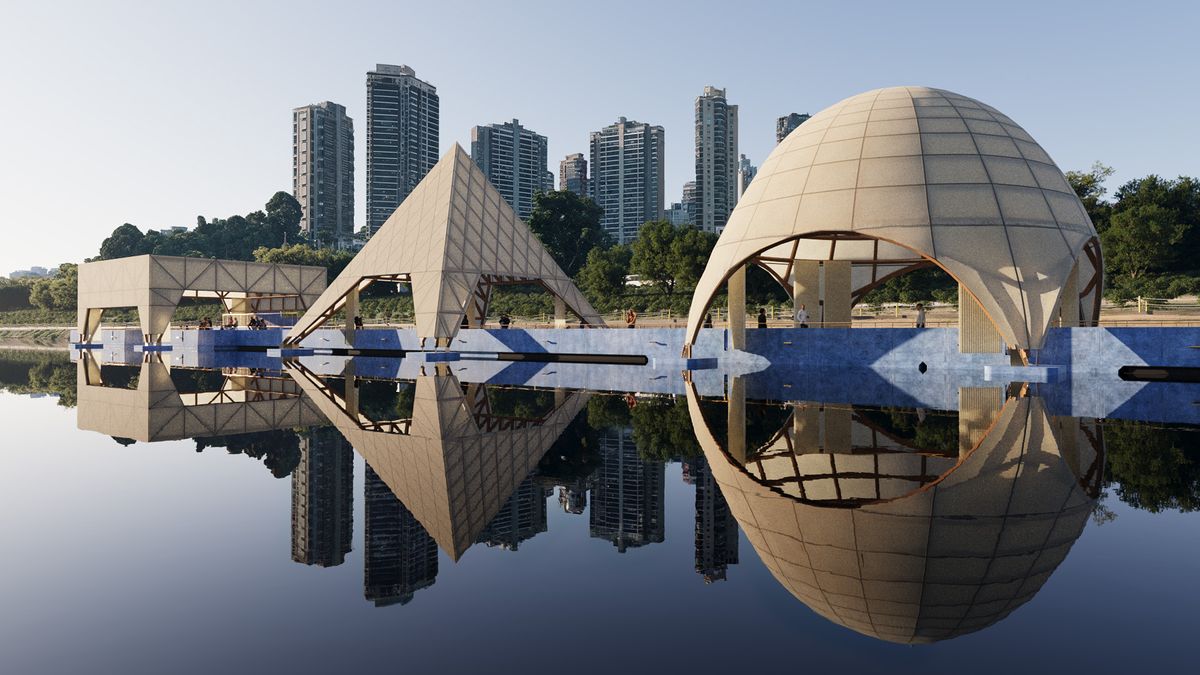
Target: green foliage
<point>607,412</point>
<point>1154,468</point>
<point>670,256</point>
<point>930,284</point>
<point>1141,239</point>
<point>14,295</point>
<point>279,450</point>
<point>1089,186</point>
<point>233,238</point>
<point>57,292</point>
<point>333,260</point>
<point>662,429</point>
<point>568,226</point>
<point>603,275</point>
<point>39,372</point>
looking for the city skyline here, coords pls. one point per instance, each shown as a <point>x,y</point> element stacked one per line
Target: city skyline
<point>158,156</point>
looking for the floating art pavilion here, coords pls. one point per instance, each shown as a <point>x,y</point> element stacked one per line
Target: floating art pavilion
<point>898,179</point>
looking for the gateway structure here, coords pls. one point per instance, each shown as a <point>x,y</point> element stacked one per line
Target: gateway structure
<point>893,180</point>
<point>154,284</point>
<point>453,239</point>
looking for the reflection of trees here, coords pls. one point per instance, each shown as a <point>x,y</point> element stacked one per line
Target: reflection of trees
<point>662,429</point>
<point>25,372</point>
<point>573,455</point>
<point>279,450</point>
<point>1153,468</point>
<point>937,432</point>
<point>383,399</point>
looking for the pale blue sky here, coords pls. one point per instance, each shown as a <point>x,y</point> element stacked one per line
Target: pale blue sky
<point>154,112</point>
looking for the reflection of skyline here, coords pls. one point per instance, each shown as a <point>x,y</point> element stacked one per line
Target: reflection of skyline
<point>627,495</point>
<point>399,557</point>
<point>716,529</point>
<point>522,517</point>
<point>323,499</point>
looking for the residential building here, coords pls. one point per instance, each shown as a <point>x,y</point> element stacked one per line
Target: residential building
<point>678,214</point>
<point>522,517</point>
<point>627,166</point>
<point>746,172</point>
<point>627,496</point>
<point>323,499</point>
<point>514,160</point>
<point>402,137</point>
<point>400,558</point>
<point>716,159</point>
<point>572,174</point>
<point>323,173</point>
<point>784,125</point>
<point>716,528</point>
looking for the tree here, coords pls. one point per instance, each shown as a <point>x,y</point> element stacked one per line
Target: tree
<point>651,259</point>
<point>1089,186</point>
<point>603,276</point>
<point>668,255</point>
<point>302,254</point>
<point>1180,198</point>
<point>568,226</point>
<point>125,241</point>
<point>662,429</point>
<point>57,292</point>
<point>1140,239</point>
<point>1155,469</point>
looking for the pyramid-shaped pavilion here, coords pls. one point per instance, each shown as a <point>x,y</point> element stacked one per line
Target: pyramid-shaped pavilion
<point>453,239</point>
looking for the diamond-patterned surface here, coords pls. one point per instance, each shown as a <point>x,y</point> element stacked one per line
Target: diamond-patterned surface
<point>452,229</point>
<point>942,176</point>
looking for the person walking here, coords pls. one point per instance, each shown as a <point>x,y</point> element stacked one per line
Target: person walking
<point>708,320</point>
<point>631,319</point>
<point>762,318</point>
<point>802,317</point>
<point>358,323</point>
<point>920,315</point>
<point>504,321</point>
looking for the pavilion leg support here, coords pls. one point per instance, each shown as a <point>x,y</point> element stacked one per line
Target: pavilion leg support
<point>837,300</point>
<point>560,313</point>
<point>737,309</point>
<point>90,324</point>
<point>737,418</point>
<point>976,334</point>
<point>806,287</point>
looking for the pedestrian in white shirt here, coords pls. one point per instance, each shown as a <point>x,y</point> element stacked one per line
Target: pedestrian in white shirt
<point>802,317</point>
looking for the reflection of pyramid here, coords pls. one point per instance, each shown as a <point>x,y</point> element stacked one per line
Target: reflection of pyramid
<point>448,471</point>
<point>452,238</point>
<point>951,559</point>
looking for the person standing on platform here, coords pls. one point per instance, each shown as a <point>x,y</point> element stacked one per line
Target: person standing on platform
<point>762,318</point>
<point>920,315</point>
<point>631,319</point>
<point>504,321</point>
<point>802,317</point>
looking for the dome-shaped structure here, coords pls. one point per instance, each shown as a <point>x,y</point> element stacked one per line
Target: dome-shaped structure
<point>954,557</point>
<point>897,179</point>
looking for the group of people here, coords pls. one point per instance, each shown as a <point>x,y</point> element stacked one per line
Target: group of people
<point>231,323</point>
<point>800,317</point>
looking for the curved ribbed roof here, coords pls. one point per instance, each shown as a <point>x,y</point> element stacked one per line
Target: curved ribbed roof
<point>907,174</point>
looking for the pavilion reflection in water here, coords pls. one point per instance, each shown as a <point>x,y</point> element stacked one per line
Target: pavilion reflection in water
<point>905,544</point>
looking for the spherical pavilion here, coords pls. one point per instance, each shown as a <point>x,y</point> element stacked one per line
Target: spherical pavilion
<point>893,180</point>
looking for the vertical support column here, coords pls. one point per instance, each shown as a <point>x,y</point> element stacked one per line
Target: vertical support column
<point>806,428</point>
<point>737,308</point>
<point>837,294</point>
<point>736,420</point>
<point>837,430</point>
<point>560,313</point>
<point>350,309</point>
<point>978,408</point>
<point>806,288</point>
<point>91,322</point>
<point>976,334</point>
<point>1068,304</point>
<point>351,389</point>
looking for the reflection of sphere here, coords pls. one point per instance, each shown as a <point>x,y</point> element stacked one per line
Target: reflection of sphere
<point>950,558</point>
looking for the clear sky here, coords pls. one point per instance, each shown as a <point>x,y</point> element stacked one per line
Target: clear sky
<point>155,112</point>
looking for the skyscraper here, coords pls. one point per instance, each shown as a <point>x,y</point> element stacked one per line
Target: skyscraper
<point>402,137</point>
<point>572,174</point>
<point>746,172</point>
<point>400,557</point>
<point>323,499</point>
<point>522,517</point>
<point>716,159</point>
<point>627,497</point>
<point>716,529</point>
<point>514,160</point>
<point>323,172</point>
<point>627,176</point>
<point>784,125</point>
